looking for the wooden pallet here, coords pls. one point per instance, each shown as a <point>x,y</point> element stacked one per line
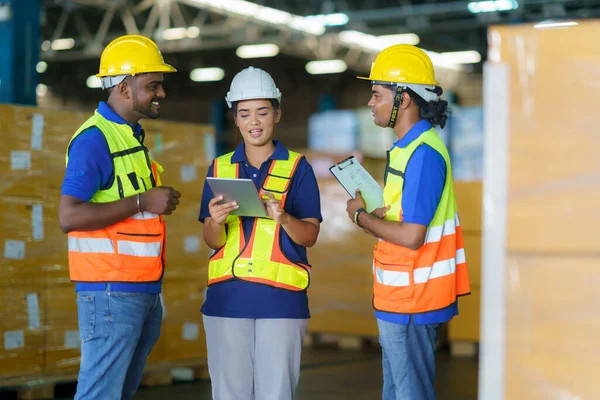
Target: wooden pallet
<point>42,386</point>
<point>346,342</point>
<point>464,348</point>
<point>165,373</point>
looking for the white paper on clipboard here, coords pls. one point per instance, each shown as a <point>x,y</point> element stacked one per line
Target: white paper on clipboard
<point>352,175</point>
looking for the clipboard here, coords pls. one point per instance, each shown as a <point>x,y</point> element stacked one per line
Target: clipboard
<point>352,175</point>
<point>242,191</point>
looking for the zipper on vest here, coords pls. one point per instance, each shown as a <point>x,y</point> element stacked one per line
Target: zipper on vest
<point>149,163</point>
<point>140,234</point>
<point>120,186</point>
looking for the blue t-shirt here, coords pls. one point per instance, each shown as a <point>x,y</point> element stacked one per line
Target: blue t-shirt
<point>90,169</point>
<point>424,180</point>
<point>241,299</point>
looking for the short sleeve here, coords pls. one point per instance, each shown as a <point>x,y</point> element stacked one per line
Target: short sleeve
<point>424,177</point>
<point>207,196</point>
<point>90,166</point>
<point>306,198</point>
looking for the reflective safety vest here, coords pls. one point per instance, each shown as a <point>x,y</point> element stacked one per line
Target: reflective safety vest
<point>132,250</point>
<point>430,278</point>
<point>258,258</point>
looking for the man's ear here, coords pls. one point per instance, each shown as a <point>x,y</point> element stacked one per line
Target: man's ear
<point>406,101</point>
<point>124,89</point>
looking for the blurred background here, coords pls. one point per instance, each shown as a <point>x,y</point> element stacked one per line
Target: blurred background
<point>521,79</point>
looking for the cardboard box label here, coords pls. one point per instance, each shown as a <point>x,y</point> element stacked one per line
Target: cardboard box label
<point>37,131</point>
<point>33,311</point>
<point>210,148</point>
<point>37,222</point>
<point>158,143</point>
<point>191,331</point>
<point>14,340</point>
<point>188,173</point>
<point>72,340</point>
<point>14,249</point>
<point>191,244</point>
<point>20,160</point>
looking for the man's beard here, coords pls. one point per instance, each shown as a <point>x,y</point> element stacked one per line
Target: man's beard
<point>145,110</point>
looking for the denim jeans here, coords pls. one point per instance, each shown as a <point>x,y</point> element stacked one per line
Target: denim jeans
<point>408,360</point>
<point>118,330</point>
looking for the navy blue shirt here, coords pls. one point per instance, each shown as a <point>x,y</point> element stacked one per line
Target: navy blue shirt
<point>424,180</point>
<point>241,299</point>
<point>90,169</point>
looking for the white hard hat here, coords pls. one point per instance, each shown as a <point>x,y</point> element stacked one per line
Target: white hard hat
<point>252,83</point>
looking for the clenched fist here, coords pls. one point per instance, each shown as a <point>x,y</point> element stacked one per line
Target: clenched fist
<point>160,200</point>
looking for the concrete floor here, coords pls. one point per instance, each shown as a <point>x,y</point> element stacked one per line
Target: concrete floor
<point>331,374</point>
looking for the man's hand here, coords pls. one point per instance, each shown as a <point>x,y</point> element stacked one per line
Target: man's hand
<point>274,209</point>
<point>220,212</point>
<point>354,204</point>
<point>160,200</point>
<point>380,212</point>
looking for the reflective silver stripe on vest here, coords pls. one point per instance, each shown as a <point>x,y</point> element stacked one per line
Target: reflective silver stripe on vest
<point>144,215</point>
<point>91,245</point>
<point>421,275</point>
<point>139,249</point>
<point>435,233</point>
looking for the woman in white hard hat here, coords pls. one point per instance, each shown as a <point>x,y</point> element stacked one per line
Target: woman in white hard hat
<point>256,306</point>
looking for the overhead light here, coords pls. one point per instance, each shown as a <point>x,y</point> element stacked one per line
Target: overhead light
<point>337,19</point>
<point>257,51</point>
<point>63,44</point>
<point>551,25</point>
<point>93,82</point>
<point>326,67</point>
<point>207,74</point>
<point>377,43</point>
<point>462,57</point>
<point>46,45</point>
<point>265,14</point>
<point>193,32</point>
<point>41,67</point>
<point>477,7</point>
<point>401,38</point>
<point>174,33</point>
<point>41,90</point>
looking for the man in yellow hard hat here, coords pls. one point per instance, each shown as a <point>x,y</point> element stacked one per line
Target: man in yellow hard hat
<point>419,266</point>
<point>111,206</point>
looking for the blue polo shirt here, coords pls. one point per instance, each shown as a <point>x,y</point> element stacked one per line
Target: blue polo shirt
<point>241,299</point>
<point>90,169</point>
<point>424,180</point>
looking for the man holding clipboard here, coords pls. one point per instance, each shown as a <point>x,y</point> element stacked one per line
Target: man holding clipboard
<point>419,266</point>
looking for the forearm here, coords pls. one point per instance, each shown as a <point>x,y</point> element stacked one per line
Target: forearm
<point>215,235</point>
<point>84,216</point>
<point>303,233</point>
<point>399,233</point>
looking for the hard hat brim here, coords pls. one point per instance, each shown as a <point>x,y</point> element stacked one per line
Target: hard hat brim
<point>164,68</point>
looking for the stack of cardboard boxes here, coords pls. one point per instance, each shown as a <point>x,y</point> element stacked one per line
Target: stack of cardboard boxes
<point>38,328</point>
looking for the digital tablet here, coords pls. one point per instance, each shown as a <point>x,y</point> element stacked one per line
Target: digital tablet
<point>243,192</point>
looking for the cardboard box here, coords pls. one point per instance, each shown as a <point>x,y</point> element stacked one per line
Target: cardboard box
<point>465,327</point>
<point>21,330</point>
<point>62,342</point>
<point>469,200</point>
<point>183,331</point>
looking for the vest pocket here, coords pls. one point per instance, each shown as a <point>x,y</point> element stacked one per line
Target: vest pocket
<point>393,282</point>
<point>139,246</point>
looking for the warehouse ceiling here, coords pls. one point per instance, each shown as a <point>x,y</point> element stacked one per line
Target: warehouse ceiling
<point>207,33</point>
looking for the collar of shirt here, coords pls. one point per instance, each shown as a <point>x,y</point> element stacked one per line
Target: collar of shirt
<point>413,133</point>
<point>280,153</point>
<point>108,113</point>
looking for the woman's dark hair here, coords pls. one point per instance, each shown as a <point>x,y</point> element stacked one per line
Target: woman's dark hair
<point>234,106</point>
<point>435,112</point>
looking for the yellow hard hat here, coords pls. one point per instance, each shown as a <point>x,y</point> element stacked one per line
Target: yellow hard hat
<point>131,55</point>
<point>402,63</point>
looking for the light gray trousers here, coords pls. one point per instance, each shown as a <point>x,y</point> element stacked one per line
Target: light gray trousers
<point>254,359</point>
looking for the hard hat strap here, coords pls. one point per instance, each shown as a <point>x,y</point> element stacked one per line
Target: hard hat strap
<point>396,107</point>
<point>110,81</point>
